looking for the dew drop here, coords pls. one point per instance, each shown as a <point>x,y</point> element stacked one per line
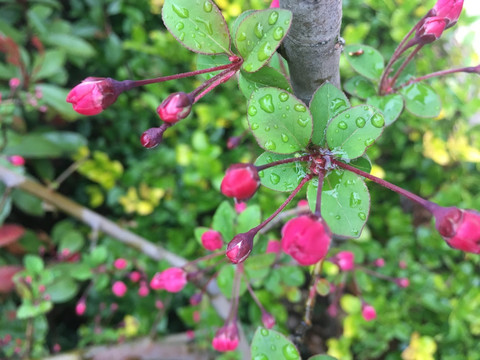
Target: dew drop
<point>302,122</point>
<point>266,103</point>
<point>287,22</point>
<point>248,67</point>
<point>278,33</point>
<point>362,215</point>
<point>269,159</point>
<point>290,352</point>
<point>264,52</point>
<point>347,116</point>
<point>258,31</point>
<point>360,122</point>
<point>337,104</point>
<point>206,23</point>
<point>342,125</point>
<point>272,19</point>
<point>267,128</point>
<point>377,120</point>
<point>264,332</point>
<point>180,11</point>
<point>366,108</point>
<point>261,174</point>
<point>252,110</point>
<point>369,142</point>
<point>273,348</point>
<point>179,26</point>
<point>207,6</point>
<point>283,96</point>
<point>242,36</point>
<point>338,217</point>
<point>270,145</point>
<point>254,126</point>
<point>197,44</point>
<point>260,357</point>
<point>274,178</point>
<point>300,108</point>
<point>284,137</point>
<point>284,116</point>
<point>355,200</point>
<point>275,126</point>
<point>181,36</point>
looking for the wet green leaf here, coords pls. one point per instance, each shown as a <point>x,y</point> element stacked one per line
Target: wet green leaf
<point>366,60</point>
<point>421,100</point>
<point>360,87</point>
<point>270,344</point>
<point>265,77</point>
<point>391,106</point>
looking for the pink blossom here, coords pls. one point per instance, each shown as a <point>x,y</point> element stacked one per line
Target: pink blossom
<point>14,83</point>
<point>431,29</point>
<point>306,239</point>
<point>119,288</point>
<point>16,160</point>
<point>241,181</point>
<point>402,282</point>
<point>275,4</point>
<point>226,338</point>
<point>81,307</point>
<point>448,9</point>
<point>190,334</point>
<point>159,304</point>
<point>143,290</point>
<point>274,247</point>
<point>368,312</point>
<point>268,320</point>
<point>57,348</point>
<point>380,262</point>
<point>240,207</point>
<point>345,260</point>
<point>402,264</point>
<point>212,240</point>
<point>173,280</point>
<point>135,276</point>
<point>120,264</point>
<point>175,107</point>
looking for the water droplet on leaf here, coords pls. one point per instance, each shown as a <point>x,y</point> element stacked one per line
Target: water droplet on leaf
<point>284,137</point>
<point>264,332</point>
<point>377,120</point>
<point>254,126</point>
<point>290,352</point>
<point>266,103</point>
<point>337,104</point>
<point>252,110</point>
<point>342,125</point>
<point>242,36</point>
<point>264,52</point>
<point>207,6</point>
<point>369,142</point>
<point>362,216</point>
<point>360,122</point>
<point>300,108</point>
<point>270,145</point>
<point>272,19</point>
<point>179,26</point>
<point>258,31</point>
<point>302,122</point>
<point>267,128</point>
<point>283,96</point>
<point>180,11</point>
<point>274,178</point>
<point>278,33</point>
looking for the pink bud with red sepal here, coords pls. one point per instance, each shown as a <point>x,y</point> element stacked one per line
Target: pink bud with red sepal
<point>173,280</point>
<point>431,29</point>
<point>241,181</point>
<point>240,247</point>
<point>449,10</point>
<point>212,240</point>
<point>226,338</point>
<point>268,320</point>
<point>175,107</point>
<point>306,239</point>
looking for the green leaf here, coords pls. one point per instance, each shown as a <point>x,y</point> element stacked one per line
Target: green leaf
<point>291,275</point>
<point>248,218</point>
<point>360,87</point>
<point>260,34</point>
<point>345,202</point>
<point>223,220</point>
<point>54,97</point>
<point>49,64</point>
<point>285,177</point>
<point>362,163</point>
<point>390,105</point>
<point>280,122</point>
<point>29,310</point>
<point>366,60</point>
<point>421,100</point>
<point>351,132</point>
<point>225,279</point>
<point>98,256</point>
<point>265,77</point>
<point>62,290</point>
<point>72,240</point>
<point>238,21</point>
<point>322,357</point>
<point>327,102</point>
<point>198,25</point>
<point>209,61</point>
<point>33,264</point>
<point>28,203</point>
<point>71,44</point>
<point>273,345</point>
<point>257,267</point>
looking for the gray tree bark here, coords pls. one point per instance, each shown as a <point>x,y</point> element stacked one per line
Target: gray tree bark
<point>313,44</point>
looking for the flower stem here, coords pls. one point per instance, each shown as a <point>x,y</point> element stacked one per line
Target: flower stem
<point>318,204</point>
<point>284,161</point>
<point>404,65</point>
<point>419,200</point>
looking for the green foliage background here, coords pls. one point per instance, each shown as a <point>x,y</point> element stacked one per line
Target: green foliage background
<point>166,193</point>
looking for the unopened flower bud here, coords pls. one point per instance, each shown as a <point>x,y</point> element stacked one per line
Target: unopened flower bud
<point>431,29</point>
<point>240,247</point>
<point>380,262</point>
<point>93,95</point>
<point>268,320</point>
<point>135,276</point>
<point>16,160</point>
<point>153,136</point>
<point>120,264</point>
<point>175,107</point>
<point>241,181</point>
<point>212,240</point>
<point>14,83</point>
<point>449,10</point>
<point>274,4</point>
<point>233,142</point>
<point>226,338</point>
<point>81,307</point>
<point>173,280</point>
<point>306,239</point>
<point>345,260</point>
<point>143,290</point>
<point>119,288</point>
<point>460,228</point>
<point>402,282</point>
<point>196,299</point>
<point>368,312</point>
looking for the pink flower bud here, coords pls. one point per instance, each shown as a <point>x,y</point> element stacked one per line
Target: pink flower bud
<point>173,280</point>
<point>212,240</point>
<point>196,299</point>
<point>119,288</point>
<point>57,348</point>
<point>41,288</point>
<point>275,4</point>
<point>240,247</point>
<point>226,338</point>
<point>345,260</point>
<point>240,207</point>
<point>460,228</point>
<point>233,142</point>
<point>431,30</point>
<point>268,320</point>
<point>402,264</point>
<point>448,9</point>
<point>241,181</point>
<point>368,312</point>
<point>16,160</point>
<point>302,203</point>
<point>14,83</point>
<point>306,239</point>
<point>113,307</point>
<point>190,334</point>
<point>93,95</point>
<point>153,136</point>
<point>120,264</point>
<point>159,304</point>
<point>81,307</point>
<point>379,262</point>
<point>143,290</point>
<point>402,282</point>
<point>175,107</point>
<point>135,276</point>
<point>196,316</point>
<point>332,310</point>
<point>274,246</point>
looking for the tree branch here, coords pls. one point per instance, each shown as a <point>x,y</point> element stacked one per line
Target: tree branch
<point>313,44</point>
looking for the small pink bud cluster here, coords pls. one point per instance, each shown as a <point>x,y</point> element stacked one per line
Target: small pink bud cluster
<point>241,181</point>
<point>212,240</point>
<point>120,264</point>
<point>368,312</point>
<point>226,338</point>
<point>306,239</point>
<point>345,260</point>
<point>119,288</point>
<point>172,280</point>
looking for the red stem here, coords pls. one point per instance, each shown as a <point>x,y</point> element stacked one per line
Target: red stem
<point>318,204</point>
<point>404,65</point>
<point>284,161</point>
